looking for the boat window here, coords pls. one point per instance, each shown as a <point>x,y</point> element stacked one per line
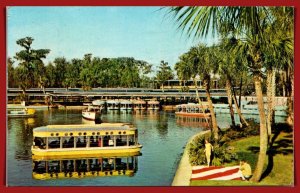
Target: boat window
<point>131,140</point>
<point>94,141</point>
<point>39,142</point>
<point>81,141</point>
<point>121,140</point>
<point>106,140</point>
<point>53,142</point>
<point>68,142</point>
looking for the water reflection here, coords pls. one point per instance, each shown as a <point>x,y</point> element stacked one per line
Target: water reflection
<point>22,135</point>
<point>162,125</point>
<point>194,122</point>
<point>84,167</point>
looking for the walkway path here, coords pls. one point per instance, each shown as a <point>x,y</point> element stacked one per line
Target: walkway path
<point>184,170</point>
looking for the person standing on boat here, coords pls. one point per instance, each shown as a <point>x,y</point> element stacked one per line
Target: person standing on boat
<point>208,151</point>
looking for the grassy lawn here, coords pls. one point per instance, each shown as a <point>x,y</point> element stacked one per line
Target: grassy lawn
<point>279,168</point>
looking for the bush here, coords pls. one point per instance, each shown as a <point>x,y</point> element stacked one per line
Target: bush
<point>221,154</point>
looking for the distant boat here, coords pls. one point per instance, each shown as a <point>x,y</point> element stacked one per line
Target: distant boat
<point>153,105</point>
<point>98,102</point>
<point>139,105</point>
<point>21,112</point>
<point>125,105</point>
<point>192,109</point>
<point>91,113</point>
<point>113,104</point>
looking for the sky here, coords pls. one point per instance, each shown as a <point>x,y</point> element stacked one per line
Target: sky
<point>145,33</point>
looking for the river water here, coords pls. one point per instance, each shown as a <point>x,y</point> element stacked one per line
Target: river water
<point>162,135</point>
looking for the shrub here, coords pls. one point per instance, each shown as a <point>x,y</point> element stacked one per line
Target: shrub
<point>221,154</point>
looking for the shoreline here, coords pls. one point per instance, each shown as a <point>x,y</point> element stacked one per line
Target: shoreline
<point>184,170</point>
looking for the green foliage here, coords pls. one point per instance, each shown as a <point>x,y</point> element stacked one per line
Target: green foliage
<point>221,154</point>
<point>165,72</point>
<point>89,72</point>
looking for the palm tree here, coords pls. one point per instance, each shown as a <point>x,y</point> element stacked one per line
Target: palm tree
<point>230,66</point>
<point>205,64</point>
<point>247,23</point>
<point>196,63</point>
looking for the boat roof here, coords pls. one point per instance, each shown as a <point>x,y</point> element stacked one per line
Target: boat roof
<point>193,104</point>
<point>139,102</point>
<point>85,127</point>
<point>126,102</point>
<point>113,101</point>
<point>153,102</point>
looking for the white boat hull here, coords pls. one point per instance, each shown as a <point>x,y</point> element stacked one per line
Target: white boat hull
<point>90,115</point>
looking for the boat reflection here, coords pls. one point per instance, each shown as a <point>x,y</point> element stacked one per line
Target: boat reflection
<point>194,122</point>
<point>84,167</point>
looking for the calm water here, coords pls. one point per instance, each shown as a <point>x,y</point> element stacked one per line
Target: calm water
<point>162,135</point>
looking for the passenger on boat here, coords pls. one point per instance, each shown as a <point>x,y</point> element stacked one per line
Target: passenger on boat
<point>79,143</point>
<point>38,142</point>
<point>65,144</point>
<point>71,142</point>
<point>92,142</point>
<point>54,144</point>
<point>99,142</point>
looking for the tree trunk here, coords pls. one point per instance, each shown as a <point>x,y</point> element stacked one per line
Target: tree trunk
<point>240,95</point>
<point>263,131</point>
<point>162,87</point>
<point>212,112</point>
<point>199,100</point>
<point>290,102</point>
<point>229,97</point>
<point>238,109</point>
<point>270,97</point>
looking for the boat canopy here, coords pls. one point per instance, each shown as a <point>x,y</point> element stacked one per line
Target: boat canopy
<point>112,102</point>
<point>84,130</point>
<point>153,102</point>
<point>126,102</point>
<point>139,102</point>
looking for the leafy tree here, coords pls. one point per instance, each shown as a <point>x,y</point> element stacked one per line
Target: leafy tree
<point>60,64</point>
<point>10,73</point>
<point>28,60</point>
<point>164,73</point>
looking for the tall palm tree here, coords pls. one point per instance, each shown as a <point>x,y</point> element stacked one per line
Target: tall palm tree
<point>244,22</point>
<point>229,67</point>
<point>205,64</point>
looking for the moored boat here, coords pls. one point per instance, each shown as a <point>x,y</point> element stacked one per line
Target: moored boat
<point>106,139</point>
<point>139,105</point>
<point>91,113</point>
<point>192,109</point>
<point>153,105</point>
<point>98,102</point>
<point>125,105</point>
<point>21,112</point>
<point>113,104</point>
